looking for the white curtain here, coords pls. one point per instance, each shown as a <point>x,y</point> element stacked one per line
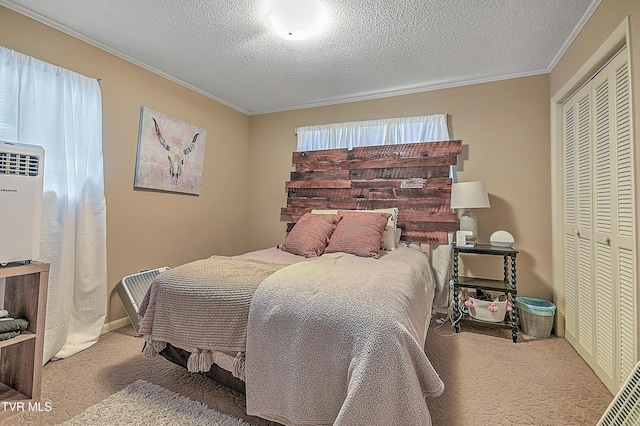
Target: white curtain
<point>45,105</point>
<point>424,128</point>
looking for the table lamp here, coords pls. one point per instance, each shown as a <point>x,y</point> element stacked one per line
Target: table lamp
<point>469,195</point>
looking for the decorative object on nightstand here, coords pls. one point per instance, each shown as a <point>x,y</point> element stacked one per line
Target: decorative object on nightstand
<point>461,239</point>
<point>501,239</point>
<point>469,195</point>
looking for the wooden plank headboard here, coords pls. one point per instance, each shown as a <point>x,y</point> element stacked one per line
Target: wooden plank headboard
<point>413,177</point>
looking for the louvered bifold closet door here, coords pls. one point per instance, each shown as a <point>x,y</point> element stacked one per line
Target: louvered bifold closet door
<point>579,301</point>
<point>606,291</point>
<point>624,237</point>
<point>570,230</point>
<point>600,274</point>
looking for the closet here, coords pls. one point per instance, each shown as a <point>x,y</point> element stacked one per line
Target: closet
<point>599,223</point>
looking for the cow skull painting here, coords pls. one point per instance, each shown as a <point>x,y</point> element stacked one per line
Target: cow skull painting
<point>176,154</point>
<point>163,138</point>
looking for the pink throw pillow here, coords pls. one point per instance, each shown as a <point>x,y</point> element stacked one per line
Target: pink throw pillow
<point>310,234</point>
<point>358,233</point>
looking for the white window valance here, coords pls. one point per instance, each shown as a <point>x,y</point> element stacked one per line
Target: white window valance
<point>424,128</point>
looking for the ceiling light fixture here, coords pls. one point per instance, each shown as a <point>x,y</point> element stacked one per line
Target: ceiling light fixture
<point>296,19</point>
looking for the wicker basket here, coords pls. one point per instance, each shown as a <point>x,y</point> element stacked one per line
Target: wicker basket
<point>536,316</point>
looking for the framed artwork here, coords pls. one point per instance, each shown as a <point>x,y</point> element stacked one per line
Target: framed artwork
<point>170,153</point>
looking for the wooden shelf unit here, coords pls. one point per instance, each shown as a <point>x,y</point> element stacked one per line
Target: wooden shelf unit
<point>25,296</point>
<point>507,286</point>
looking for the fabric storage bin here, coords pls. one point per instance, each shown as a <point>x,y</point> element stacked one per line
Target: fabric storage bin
<point>536,316</point>
<point>486,310</point>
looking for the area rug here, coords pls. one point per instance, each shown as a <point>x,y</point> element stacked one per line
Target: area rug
<point>144,403</point>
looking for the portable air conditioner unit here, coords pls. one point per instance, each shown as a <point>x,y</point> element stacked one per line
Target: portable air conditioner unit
<point>132,290</point>
<point>21,178</point>
<point>624,410</point>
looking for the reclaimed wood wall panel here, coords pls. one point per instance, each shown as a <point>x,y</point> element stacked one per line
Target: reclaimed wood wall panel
<point>413,177</point>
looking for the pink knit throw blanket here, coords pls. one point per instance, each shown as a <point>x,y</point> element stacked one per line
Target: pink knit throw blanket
<point>202,307</point>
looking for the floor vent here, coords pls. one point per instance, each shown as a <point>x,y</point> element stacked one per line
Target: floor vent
<point>624,410</point>
<point>132,290</point>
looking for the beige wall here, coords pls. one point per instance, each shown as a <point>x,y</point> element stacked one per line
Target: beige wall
<point>608,15</point>
<point>151,229</point>
<point>504,127</point>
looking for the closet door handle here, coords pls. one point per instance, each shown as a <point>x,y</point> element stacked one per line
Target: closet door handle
<point>607,241</point>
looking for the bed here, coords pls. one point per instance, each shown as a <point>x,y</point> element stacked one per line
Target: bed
<point>329,327</point>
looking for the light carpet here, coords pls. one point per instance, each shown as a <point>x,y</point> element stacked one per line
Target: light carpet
<point>143,403</point>
<point>489,380</point>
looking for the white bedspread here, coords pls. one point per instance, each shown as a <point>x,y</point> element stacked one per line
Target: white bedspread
<point>341,340</point>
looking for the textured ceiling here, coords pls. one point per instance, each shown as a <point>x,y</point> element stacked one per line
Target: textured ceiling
<point>372,48</point>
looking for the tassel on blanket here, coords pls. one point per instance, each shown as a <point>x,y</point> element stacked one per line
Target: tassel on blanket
<point>152,348</point>
<point>238,366</point>
<point>200,361</point>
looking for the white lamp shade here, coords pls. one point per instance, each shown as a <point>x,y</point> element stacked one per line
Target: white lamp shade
<point>469,195</point>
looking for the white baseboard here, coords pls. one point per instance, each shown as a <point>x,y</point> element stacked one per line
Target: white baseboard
<point>113,325</point>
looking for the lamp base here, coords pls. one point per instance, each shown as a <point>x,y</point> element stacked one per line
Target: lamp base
<point>469,222</point>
